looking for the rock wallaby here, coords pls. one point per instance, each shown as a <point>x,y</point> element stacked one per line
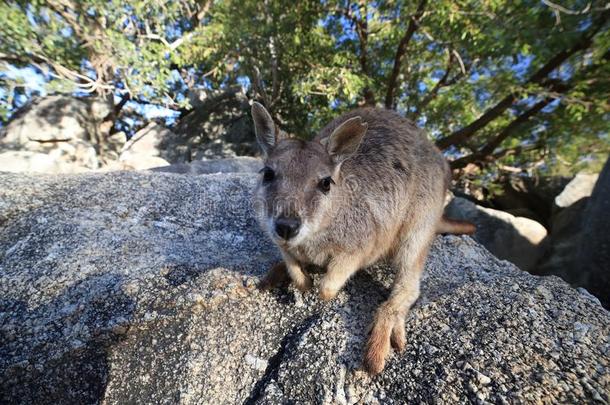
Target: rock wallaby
<point>369,186</point>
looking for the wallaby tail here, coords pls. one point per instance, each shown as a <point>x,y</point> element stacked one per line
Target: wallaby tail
<point>455,227</point>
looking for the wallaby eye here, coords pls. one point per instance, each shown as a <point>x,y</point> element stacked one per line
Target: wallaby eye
<point>324,184</point>
<point>268,174</point>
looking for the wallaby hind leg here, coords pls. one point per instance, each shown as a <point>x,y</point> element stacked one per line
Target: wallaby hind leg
<point>389,323</point>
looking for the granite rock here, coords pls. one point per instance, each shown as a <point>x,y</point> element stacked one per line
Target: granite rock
<point>131,287</point>
<point>520,240</point>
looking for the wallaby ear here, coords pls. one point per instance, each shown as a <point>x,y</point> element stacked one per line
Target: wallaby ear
<point>264,127</point>
<point>345,139</point>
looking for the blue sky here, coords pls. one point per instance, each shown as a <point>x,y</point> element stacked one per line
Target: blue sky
<point>35,82</point>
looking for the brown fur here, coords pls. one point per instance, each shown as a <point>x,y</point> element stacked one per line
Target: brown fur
<point>277,276</point>
<point>386,201</point>
<point>454,226</point>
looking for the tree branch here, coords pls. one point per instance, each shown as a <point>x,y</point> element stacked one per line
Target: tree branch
<point>555,89</point>
<point>517,150</point>
<point>83,82</point>
<point>559,8</point>
<point>61,7</point>
<point>117,108</point>
<point>400,52</point>
<point>361,26</point>
<point>275,81</point>
<point>444,81</point>
<point>510,128</point>
<point>468,131</point>
<point>259,87</point>
<point>203,10</point>
<point>361,29</point>
<point>196,18</point>
<point>481,160</point>
<point>484,152</point>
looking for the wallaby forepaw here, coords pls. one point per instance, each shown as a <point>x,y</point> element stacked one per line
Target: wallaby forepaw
<point>329,288</point>
<point>327,294</point>
<point>304,284</point>
<point>277,276</point>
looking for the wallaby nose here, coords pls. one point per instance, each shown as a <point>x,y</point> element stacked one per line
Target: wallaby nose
<point>287,227</point>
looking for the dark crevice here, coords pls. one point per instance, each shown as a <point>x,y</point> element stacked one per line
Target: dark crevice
<point>276,360</point>
<point>53,140</point>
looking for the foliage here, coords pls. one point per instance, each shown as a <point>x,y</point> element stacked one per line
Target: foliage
<point>497,83</point>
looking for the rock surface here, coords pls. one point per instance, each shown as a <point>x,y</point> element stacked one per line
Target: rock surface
<point>579,243</point>
<point>219,126</point>
<point>140,287</point>
<point>594,253</point>
<point>65,134</point>
<point>33,162</point>
<point>579,187</point>
<point>240,164</point>
<point>56,118</point>
<point>516,239</point>
<point>146,148</point>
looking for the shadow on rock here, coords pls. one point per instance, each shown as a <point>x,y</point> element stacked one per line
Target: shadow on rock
<point>57,352</point>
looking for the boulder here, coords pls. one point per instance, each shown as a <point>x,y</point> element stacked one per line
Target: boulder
<point>114,144</point>
<point>140,287</point>
<point>580,251</point>
<point>63,157</point>
<point>240,164</point>
<point>56,118</point>
<point>564,240</point>
<point>67,129</point>
<point>579,239</point>
<point>581,186</point>
<point>516,239</point>
<point>74,132</point>
<point>218,126</point>
<point>531,197</point>
<point>147,148</point>
<point>26,161</point>
<point>568,216</point>
<point>594,251</point>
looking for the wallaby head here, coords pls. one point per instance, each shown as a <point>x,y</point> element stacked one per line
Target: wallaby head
<point>301,180</point>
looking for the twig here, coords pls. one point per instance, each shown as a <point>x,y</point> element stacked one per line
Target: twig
<point>562,9</point>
